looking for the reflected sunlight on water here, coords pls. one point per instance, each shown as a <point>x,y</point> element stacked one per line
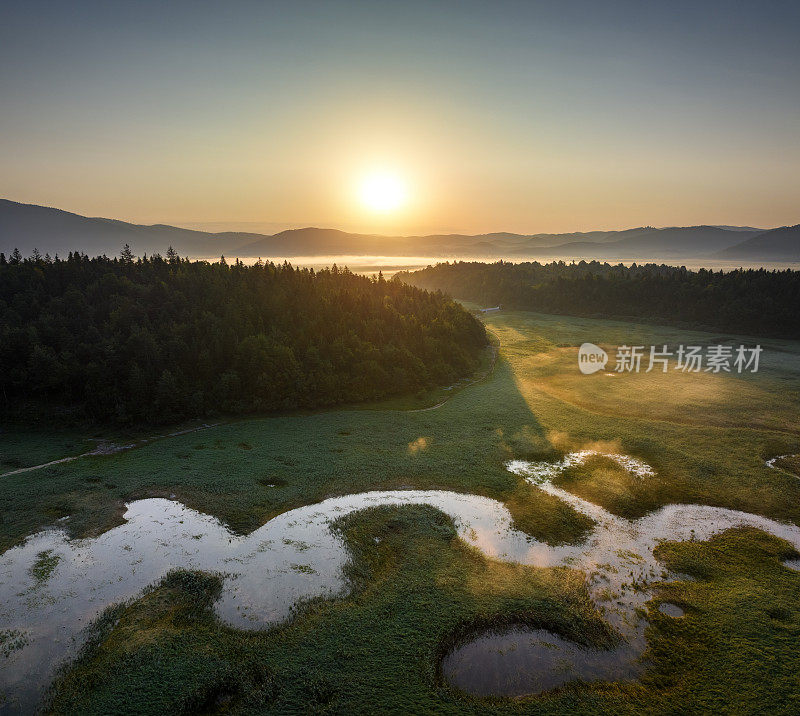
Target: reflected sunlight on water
<point>297,556</point>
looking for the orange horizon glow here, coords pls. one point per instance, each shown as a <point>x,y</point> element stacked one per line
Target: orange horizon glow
<point>566,121</point>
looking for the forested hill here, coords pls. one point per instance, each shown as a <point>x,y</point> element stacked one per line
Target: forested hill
<point>154,340</point>
<point>755,302</point>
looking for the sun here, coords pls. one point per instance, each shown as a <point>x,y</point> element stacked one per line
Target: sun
<point>383,192</point>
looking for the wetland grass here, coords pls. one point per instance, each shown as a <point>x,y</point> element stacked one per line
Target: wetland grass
<point>418,587</point>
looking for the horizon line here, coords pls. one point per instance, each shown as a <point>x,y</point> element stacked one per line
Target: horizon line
<point>321,227</point>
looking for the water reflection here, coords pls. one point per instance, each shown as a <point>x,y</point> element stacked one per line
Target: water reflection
<point>518,661</point>
<point>45,603</point>
<point>618,559</point>
<point>671,610</point>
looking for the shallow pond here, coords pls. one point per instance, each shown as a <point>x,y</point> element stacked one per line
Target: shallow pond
<point>519,661</point>
<point>618,559</point>
<point>52,587</point>
<point>670,610</point>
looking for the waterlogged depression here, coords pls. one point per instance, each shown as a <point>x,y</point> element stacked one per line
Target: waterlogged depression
<point>517,661</point>
<point>621,569</point>
<point>52,587</point>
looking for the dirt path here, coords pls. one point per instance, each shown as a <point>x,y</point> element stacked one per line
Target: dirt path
<point>111,449</point>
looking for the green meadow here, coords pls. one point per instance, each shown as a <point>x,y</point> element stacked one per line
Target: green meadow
<point>706,435</point>
<point>377,650</point>
<point>23,448</point>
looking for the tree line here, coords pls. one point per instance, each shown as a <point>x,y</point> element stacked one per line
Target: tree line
<point>157,339</point>
<point>750,301</point>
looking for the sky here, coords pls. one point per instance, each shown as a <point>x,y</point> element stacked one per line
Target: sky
<point>495,116</point>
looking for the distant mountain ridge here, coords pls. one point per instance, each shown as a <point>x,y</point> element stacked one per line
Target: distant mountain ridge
<point>28,227</point>
<point>782,243</point>
<point>54,231</point>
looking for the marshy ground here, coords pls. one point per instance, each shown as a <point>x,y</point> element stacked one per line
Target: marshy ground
<point>417,589</point>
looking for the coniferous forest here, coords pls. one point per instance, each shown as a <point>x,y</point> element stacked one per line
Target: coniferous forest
<point>145,340</point>
<point>752,301</point>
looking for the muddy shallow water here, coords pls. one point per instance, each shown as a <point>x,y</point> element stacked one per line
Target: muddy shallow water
<point>518,661</point>
<point>52,587</point>
<point>621,572</point>
<point>671,610</point>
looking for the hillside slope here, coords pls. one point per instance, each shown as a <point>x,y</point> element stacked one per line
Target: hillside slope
<point>781,244</point>
<point>28,227</point>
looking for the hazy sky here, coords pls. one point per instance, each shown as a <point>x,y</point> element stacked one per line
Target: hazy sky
<point>499,116</point>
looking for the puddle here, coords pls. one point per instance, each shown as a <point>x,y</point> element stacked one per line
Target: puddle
<point>51,587</point>
<point>293,557</point>
<point>671,610</point>
<point>519,661</point>
<point>539,473</point>
<point>621,570</point>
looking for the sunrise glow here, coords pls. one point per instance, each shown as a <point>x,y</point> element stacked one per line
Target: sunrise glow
<point>383,192</point>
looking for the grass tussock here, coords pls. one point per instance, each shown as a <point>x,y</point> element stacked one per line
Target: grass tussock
<point>417,590</point>
<point>736,647</point>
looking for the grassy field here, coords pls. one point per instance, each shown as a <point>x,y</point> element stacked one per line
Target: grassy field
<point>23,448</point>
<point>706,435</point>
<point>377,650</point>
<point>535,404</point>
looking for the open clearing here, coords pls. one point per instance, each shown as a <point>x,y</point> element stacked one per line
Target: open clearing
<point>417,588</point>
